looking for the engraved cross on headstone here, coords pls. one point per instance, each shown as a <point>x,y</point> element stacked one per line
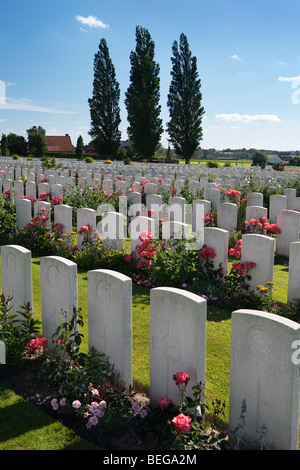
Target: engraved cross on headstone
<point>259,403</point>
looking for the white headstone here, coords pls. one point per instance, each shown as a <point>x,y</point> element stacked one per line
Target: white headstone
<point>63,216</point>
<point>288,221</point>
<point>110,319</point>
<point>139,225</point>
<point>58,292</point>
<point>294,272</point>
<point>217,239</point>
<point>200,208</point>
<point>2,353</point>
<point>278,202</point>
<point>177,209</point>
<point>177,340</point>
<point>258,249</point>
<point>290,193</point>
<point>39,210</point>
<point>16,276</point>
<point>57,191</point>
<point>256,212</point>
<point>23,212</point>
<point>264,375</point>
<point>85,217</point>
<point>227,216</point>
<point>255,199</point>
<point>213,195</point>
<point>18,189</point>
<point>30,189</point>
<point>112,231</point>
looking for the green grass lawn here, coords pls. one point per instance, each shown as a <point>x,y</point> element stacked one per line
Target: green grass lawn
<point>24,427</point>
<point>217,363</point>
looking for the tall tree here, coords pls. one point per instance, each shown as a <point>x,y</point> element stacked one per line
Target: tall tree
<point>4,147</point>
<point>79,148</point>
<point>104,105</point>
<point>37,141</point>
<point>184,101</point>
<point>16,144</point>
<point>142,97</point>
<point>259,158</point>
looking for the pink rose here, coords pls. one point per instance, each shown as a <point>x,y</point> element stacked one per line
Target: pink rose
<point>182,423</point>
<point>143,413</point>
<point>164,402</point>
<point>135,407</point>
<point>93,420</point>
<point>76,404</point>
<point>54,404</point>
<point>181,378</point>
<point>139,265</point>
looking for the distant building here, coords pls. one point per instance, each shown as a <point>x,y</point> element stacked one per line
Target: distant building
<point>89,149</point>
<point>275,159</point>
<point>59,144</point>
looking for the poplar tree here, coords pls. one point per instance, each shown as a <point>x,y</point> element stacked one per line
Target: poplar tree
<point>184,101</point>
<point>3,144</point>
<point>79,148</point>
<point>104,105</point>
<point>142,97</point>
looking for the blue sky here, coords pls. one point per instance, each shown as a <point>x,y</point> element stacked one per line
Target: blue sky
<point>248,55</point>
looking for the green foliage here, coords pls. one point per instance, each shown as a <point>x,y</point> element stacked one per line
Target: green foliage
<point>37,141</point>
<point>142,97</point>
<point>184,426</point>
<point>104,105</point>
<point>97,258</point>
<point>189,195</point>
<point>83,196</point>
<point>72,369</point>
<point>212,164</point>
<point>7,221</point>
<point>184,101</point>
<point>4,145</point>
<point>259,158</point>
<point>50,163</point>
<point>35,237</point>
<point>16,330</point>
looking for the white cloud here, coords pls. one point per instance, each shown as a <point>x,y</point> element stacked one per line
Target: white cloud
<point>288,79</point>
<point>91,21</point>
<point>248,117</point>
<point>23,105</point>
<point>235,57</point>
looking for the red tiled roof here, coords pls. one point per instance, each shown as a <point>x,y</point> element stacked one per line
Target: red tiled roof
<point>59,143</point>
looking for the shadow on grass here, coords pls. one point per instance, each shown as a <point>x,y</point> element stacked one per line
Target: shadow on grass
<point>18,418</point>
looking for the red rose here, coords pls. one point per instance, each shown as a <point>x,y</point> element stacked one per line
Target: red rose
<point>164,402</point>
<point>181,378</point>
<point>182,423</point>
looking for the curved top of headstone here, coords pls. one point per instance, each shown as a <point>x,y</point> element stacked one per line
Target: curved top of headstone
<point>60,259</point>
<point>268,316</point>
<point>179,292</point>
<point>111,273</point>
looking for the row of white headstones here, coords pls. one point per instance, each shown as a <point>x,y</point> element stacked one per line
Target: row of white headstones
<point>264,370</point>
<point>264,362</point>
